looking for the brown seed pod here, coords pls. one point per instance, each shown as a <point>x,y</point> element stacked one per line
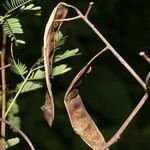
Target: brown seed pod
<point>80,120</point>
<point>59,12</point>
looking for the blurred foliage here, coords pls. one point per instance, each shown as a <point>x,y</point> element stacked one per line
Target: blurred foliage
<point>109,92</point>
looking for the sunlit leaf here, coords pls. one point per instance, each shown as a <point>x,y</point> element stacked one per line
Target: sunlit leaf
<point>36,8</point>
<point>20,41</point>
<point>18,67</point>
<point>58,70</point>
<point>29,86</point>
<point>12,142</point>
<point>59,39</point>
<point>66,54</point>
<point>12,27</point>
<point>39,74</point>
<point>29,7</point>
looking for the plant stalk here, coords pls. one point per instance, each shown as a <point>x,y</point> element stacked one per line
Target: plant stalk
<point>3,78</point>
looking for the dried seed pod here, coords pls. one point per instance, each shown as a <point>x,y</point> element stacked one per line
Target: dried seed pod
<point>59,12</point>
<point>80,120</point>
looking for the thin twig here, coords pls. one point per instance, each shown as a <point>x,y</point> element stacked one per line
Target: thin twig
<point>6,66</point>
<point>126,123</point>
<point>11,50</point>
<point>20,132</point>
<point>68,19</point>
<point>3,53</point>
<point>17,94</point>
<point>89,9</point>
<point>32,69</point>
<point>145,56</point>
<point>116,54</point>
<point>127,66</point>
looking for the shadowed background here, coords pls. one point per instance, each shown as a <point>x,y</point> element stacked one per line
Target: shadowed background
<point>109,92</point>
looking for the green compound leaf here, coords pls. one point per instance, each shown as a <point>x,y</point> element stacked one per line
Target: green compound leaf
<point>66,54</point>
<point>13,5</point>
<point>12,27</point>
<point>58,70</point>
<point>18,67</point>
<point>12,142</point>
<point>29,86</point>
<point>59,39</point>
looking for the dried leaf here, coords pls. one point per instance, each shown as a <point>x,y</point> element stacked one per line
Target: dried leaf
<point>59,12</point>
<point>80,120</point>
<point>48,108</point>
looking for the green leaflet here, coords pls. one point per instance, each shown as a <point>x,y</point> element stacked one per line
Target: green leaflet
<point>29,86</point>
<point>12,142</point>
<point>39,74</point>
<point>58,70</point>
<point>66,54</point>
<point>59,39</point>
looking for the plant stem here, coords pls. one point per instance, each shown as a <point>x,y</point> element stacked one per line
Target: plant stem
<point>17,94</point>
<point>3,90</point>
<point>23,84</point>
<point>20,132</point>
<point>115,138</point>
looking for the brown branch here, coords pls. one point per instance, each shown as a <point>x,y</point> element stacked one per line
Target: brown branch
<point>123,62</point>
<point>6,66</point>
<point>145,56</point>
<point>126,123</point>
<point>3,53</point>
<point>89,9</point>
<point>20,132</point>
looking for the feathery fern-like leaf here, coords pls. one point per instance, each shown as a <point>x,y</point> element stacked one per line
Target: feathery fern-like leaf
<point>18,67</point>
<point>29,86</point>
<point>59,39</point>
<point>12,5</point>
<point>66,54</point>
<point>12,26</point>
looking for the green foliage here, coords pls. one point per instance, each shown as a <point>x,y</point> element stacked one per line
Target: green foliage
<point>59,39</point>
<point>32,78</point>
<point>61,69</point>
<point>66,54</point>
<point>13,5</point>
<point>31,7</point>
<point>12,115</point>
<point>18,67</point>
<point>12,142</point>
<point>12,27</point>
<point>35,73</point>
<point>39,74</point>
<point>29,86</point>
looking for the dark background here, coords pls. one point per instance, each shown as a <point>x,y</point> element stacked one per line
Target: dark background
<point>109,93</point>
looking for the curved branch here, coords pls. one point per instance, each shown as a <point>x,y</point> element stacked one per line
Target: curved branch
<point>20,132</point>
<point>115,138</point>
